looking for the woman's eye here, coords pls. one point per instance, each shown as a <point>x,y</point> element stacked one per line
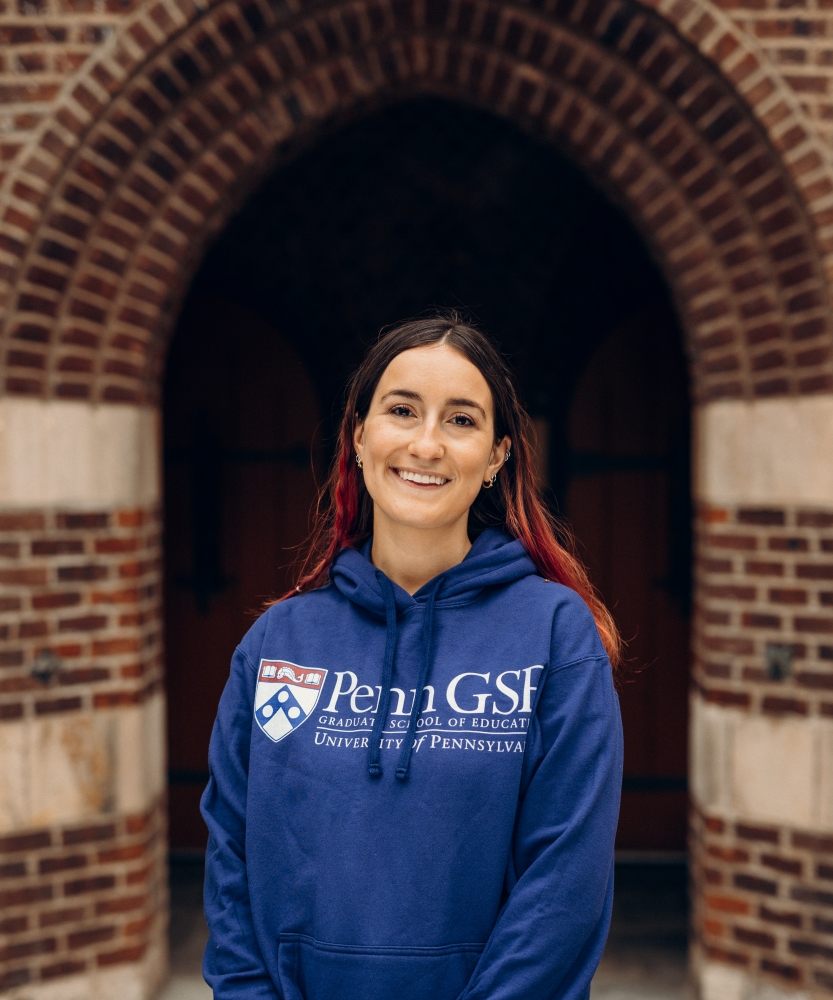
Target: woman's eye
<point>401,411</point>
<point>462,420</point>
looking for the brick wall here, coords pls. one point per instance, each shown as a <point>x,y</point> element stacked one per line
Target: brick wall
<point>765,575</point>
<point>42,42</point>
<point>86,585</point>
<point>764,900</point>
<point>77,899</point>
<point>797,37</point>
<point>82,812</point>
<point>762,826</point>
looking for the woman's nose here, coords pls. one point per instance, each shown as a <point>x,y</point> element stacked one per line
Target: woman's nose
<point>426,443</point>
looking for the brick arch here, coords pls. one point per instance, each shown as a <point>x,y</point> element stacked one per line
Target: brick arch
<point>146,160</point>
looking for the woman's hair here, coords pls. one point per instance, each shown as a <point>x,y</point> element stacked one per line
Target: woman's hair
<point>344,514</point>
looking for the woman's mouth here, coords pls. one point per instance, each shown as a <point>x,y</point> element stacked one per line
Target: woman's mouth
<point>421,478</point>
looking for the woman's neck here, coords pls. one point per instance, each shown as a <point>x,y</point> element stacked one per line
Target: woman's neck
<point>413,556</point>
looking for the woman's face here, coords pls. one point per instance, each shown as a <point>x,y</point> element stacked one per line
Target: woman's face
<point>428,441</point>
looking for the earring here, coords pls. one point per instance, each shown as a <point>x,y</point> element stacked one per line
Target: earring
<point>490,482</point>
<point>508,455</point>
<point>359,461</point>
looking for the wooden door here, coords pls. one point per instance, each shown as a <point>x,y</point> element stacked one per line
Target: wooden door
<point>628,503</point>
<point>240,420</point>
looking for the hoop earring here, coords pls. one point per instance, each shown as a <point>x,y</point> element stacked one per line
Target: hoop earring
<point>508,455</point>
<point>490,482</point>
<point>359,461</point>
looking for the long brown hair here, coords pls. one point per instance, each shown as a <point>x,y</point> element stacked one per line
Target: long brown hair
<point>344,514</point>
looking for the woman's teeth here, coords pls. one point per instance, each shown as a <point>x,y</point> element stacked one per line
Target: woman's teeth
<point>416,477</point>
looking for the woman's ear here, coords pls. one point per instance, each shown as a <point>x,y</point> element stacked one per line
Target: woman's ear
<point>358,436</point>
<point>498,456</point>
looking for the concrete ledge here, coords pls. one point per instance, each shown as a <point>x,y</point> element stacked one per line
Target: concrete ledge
<point>769,770</point>
<point>135,981</point>
<point>73,453</point>
<point>766,452</point>
<point>62,769</point>
<point>725,982</point>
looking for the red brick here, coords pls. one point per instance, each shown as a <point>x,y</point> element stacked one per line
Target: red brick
<point>123,905</point>
<point>94,884</point>
<point>23,897</point>
<point>21,522</point>
<point>128,853</point>
<point>25,949</point>
<point>48,865</point>
<point>131,954</point>
<point>788,972</point>
<point>788,919</point>
<point>785,596</point>
<point>743,543</point>
<point>792,866</point>
<point>65,968</point>
<point>760,939</point>
<point>757,620</point>
<point>25,841</point>
<point>754,884</point>
<point>57,600</point>
<point>86,623</point>
<point>779,706</point>
<point>88,834</point>
<point>760,568</point>
<point>53,918</point>
<point>727,904</point>
<point>93,935</point>
<point>14,925</point>
<point>84,521</point>
<point>53,705</point>
<point>23,577</point>
<point>814,571</point>
<point>749,832</point>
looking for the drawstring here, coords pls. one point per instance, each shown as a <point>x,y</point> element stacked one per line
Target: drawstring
<point>374,766</point>
<point>427,630</point>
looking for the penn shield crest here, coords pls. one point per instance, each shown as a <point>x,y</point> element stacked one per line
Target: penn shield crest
<point>285,697</point>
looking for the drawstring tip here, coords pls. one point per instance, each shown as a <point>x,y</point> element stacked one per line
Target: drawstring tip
<point>402,773</point>
<point>374,770</point>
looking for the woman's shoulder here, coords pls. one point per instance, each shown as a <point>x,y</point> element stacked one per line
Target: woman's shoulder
<point>574,632</point>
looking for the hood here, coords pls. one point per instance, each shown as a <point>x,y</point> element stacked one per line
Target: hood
<point>495,558</point>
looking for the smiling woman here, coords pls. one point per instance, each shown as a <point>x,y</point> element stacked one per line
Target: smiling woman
<point>447,633</point>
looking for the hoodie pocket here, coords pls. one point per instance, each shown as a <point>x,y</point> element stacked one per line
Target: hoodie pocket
<point>316,970</point>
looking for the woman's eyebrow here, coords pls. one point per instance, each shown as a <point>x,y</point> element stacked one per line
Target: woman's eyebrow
<point>407,393</point>
<point>465,402</point>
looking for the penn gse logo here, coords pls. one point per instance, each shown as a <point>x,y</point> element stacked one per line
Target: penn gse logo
<point>285,697</point>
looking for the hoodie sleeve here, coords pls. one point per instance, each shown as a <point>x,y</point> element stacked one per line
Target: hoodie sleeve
<point>551,932</point>
<point>233,965</point>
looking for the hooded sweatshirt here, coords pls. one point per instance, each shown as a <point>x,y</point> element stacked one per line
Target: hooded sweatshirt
<point>415,797</point>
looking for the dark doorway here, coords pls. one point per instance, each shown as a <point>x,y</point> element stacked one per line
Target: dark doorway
<point>430,203</point>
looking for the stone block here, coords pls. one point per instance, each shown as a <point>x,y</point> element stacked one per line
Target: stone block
<point>768,452</point>
<point>61,769</point>
<point>774,777</point>
<point>60,452</point>
<point>762,769</point>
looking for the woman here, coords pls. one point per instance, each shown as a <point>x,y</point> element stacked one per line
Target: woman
<point>416,763</point>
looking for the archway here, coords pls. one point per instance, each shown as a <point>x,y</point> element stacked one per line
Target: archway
<point>431,202</point>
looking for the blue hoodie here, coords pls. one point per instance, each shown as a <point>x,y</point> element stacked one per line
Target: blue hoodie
<point>415,797</point>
